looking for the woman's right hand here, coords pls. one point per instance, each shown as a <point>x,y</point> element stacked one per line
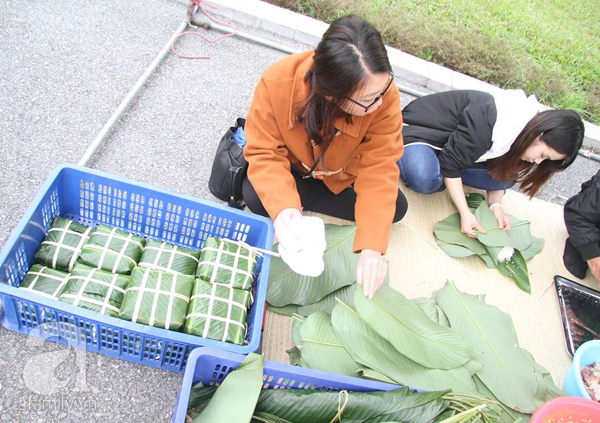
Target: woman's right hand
<point>468,224</point>
<point>286,226</point>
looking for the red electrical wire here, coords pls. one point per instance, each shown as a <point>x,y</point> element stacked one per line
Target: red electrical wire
<point>201,3</point>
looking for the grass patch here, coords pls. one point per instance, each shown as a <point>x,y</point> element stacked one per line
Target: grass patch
<point>550,48</point>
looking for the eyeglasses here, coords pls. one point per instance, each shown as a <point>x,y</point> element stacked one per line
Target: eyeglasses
<point>376,98</point>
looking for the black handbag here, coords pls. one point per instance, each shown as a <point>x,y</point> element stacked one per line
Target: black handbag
<point>229,169</point>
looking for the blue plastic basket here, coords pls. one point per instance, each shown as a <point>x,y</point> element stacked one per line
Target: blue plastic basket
<point>210,367</point>
<point>91,197</point>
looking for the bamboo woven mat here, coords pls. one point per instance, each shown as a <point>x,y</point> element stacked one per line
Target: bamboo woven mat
<point>418,267</point>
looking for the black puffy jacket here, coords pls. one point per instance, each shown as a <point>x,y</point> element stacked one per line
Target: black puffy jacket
<point>458,123</point>
<point>582,217</point>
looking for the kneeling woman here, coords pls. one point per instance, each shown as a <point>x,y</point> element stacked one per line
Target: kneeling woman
<point>324,132</point>
<point>485,141</point>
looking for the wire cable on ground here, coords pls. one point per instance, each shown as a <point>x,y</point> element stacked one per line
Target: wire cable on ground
<point>201,4</point>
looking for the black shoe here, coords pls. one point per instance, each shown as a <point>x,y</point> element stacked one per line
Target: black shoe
<point>573,260</point>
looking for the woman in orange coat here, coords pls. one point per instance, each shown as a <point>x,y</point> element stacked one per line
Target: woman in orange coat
<point>324,132</point>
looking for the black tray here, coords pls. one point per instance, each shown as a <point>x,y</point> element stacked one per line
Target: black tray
<point>579,311</point>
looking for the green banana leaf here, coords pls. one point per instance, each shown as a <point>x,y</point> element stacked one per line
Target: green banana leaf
<point>287,287</point>
<point>506,371</point>
<point>295,353</point>
<point>411,332</point>
<point>370,349</point>
<point>325,304</point>
<point>244,385</point>
<point>522,239</point>
<point>308,406</point>
<point>433,310</point>
<point>453,242</point>
<point>494,236</point>
<point>454,250</point>
<point>304,406</point>
<point>460,251</point>
<point>286,310</point>
<point>295,357</point>
<point>552,391</point>
<point>200,396</point>
<point>370,374</point>
<point>474,199</point>
<point>534,248</point>
<point>510,416</point>
<point>261,417</point>
<point>297,322</point>
<point>321,349</point>
<point>448,231</point>
<point>516,267</point>
<point>487,260</point>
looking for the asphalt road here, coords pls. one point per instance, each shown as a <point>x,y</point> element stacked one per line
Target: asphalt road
<point>66,65</point>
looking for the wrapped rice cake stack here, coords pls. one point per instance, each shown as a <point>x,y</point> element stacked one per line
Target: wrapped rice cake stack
<point>156,298</point>
<point>45,281</point>
<point>112,249</point>
<point>95,290</point>
<point>227,263</point>
<point>169,258</point>
<point>217,312</point>
<point>62,245</point>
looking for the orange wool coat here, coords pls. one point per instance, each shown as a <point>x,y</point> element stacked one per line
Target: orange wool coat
<point>366,149</point>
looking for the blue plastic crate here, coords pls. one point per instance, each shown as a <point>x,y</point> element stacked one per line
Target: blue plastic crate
<point>91,197</point>
<point>210,367</point>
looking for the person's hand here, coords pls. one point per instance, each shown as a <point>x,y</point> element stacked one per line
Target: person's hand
<point>468,222</point>
<point>594,264</point>
<point>287,224</point>
<point>503,219</point>
<point>371,271</point>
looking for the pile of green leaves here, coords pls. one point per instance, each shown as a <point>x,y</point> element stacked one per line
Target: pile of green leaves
<point>489,245</point>
<point>242,388</point>
<point>450,341</point>
<point>289,292</point>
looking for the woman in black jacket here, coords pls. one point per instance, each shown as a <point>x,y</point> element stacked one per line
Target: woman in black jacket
<point>582,217</point>
<point>486,141</point>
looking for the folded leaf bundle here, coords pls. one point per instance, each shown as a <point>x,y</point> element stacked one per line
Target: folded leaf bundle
<point>217,312</point>
<point>95,290</point>
<point>112,250</point>
<point>505,250</point>
<point>169,258</point>
<point>45,281</point>
<point>287,287</point>
<point>157,298</point>
<point>227,263</point>
<point>62,245</point>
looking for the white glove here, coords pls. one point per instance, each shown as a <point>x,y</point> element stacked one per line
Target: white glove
<point>288,229</point>
<point>301,243</point>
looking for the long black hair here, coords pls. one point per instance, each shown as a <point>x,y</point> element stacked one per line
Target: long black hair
<point>561,130</point>
<point>350,50</point>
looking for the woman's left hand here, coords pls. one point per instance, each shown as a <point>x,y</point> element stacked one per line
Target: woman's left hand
<point>371,271</point>
<point>503,219</point>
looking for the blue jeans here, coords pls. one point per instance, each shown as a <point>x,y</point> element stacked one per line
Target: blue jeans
<point>420,171</point>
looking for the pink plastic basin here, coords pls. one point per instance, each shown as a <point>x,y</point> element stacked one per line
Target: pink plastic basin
<point>568,410</point>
